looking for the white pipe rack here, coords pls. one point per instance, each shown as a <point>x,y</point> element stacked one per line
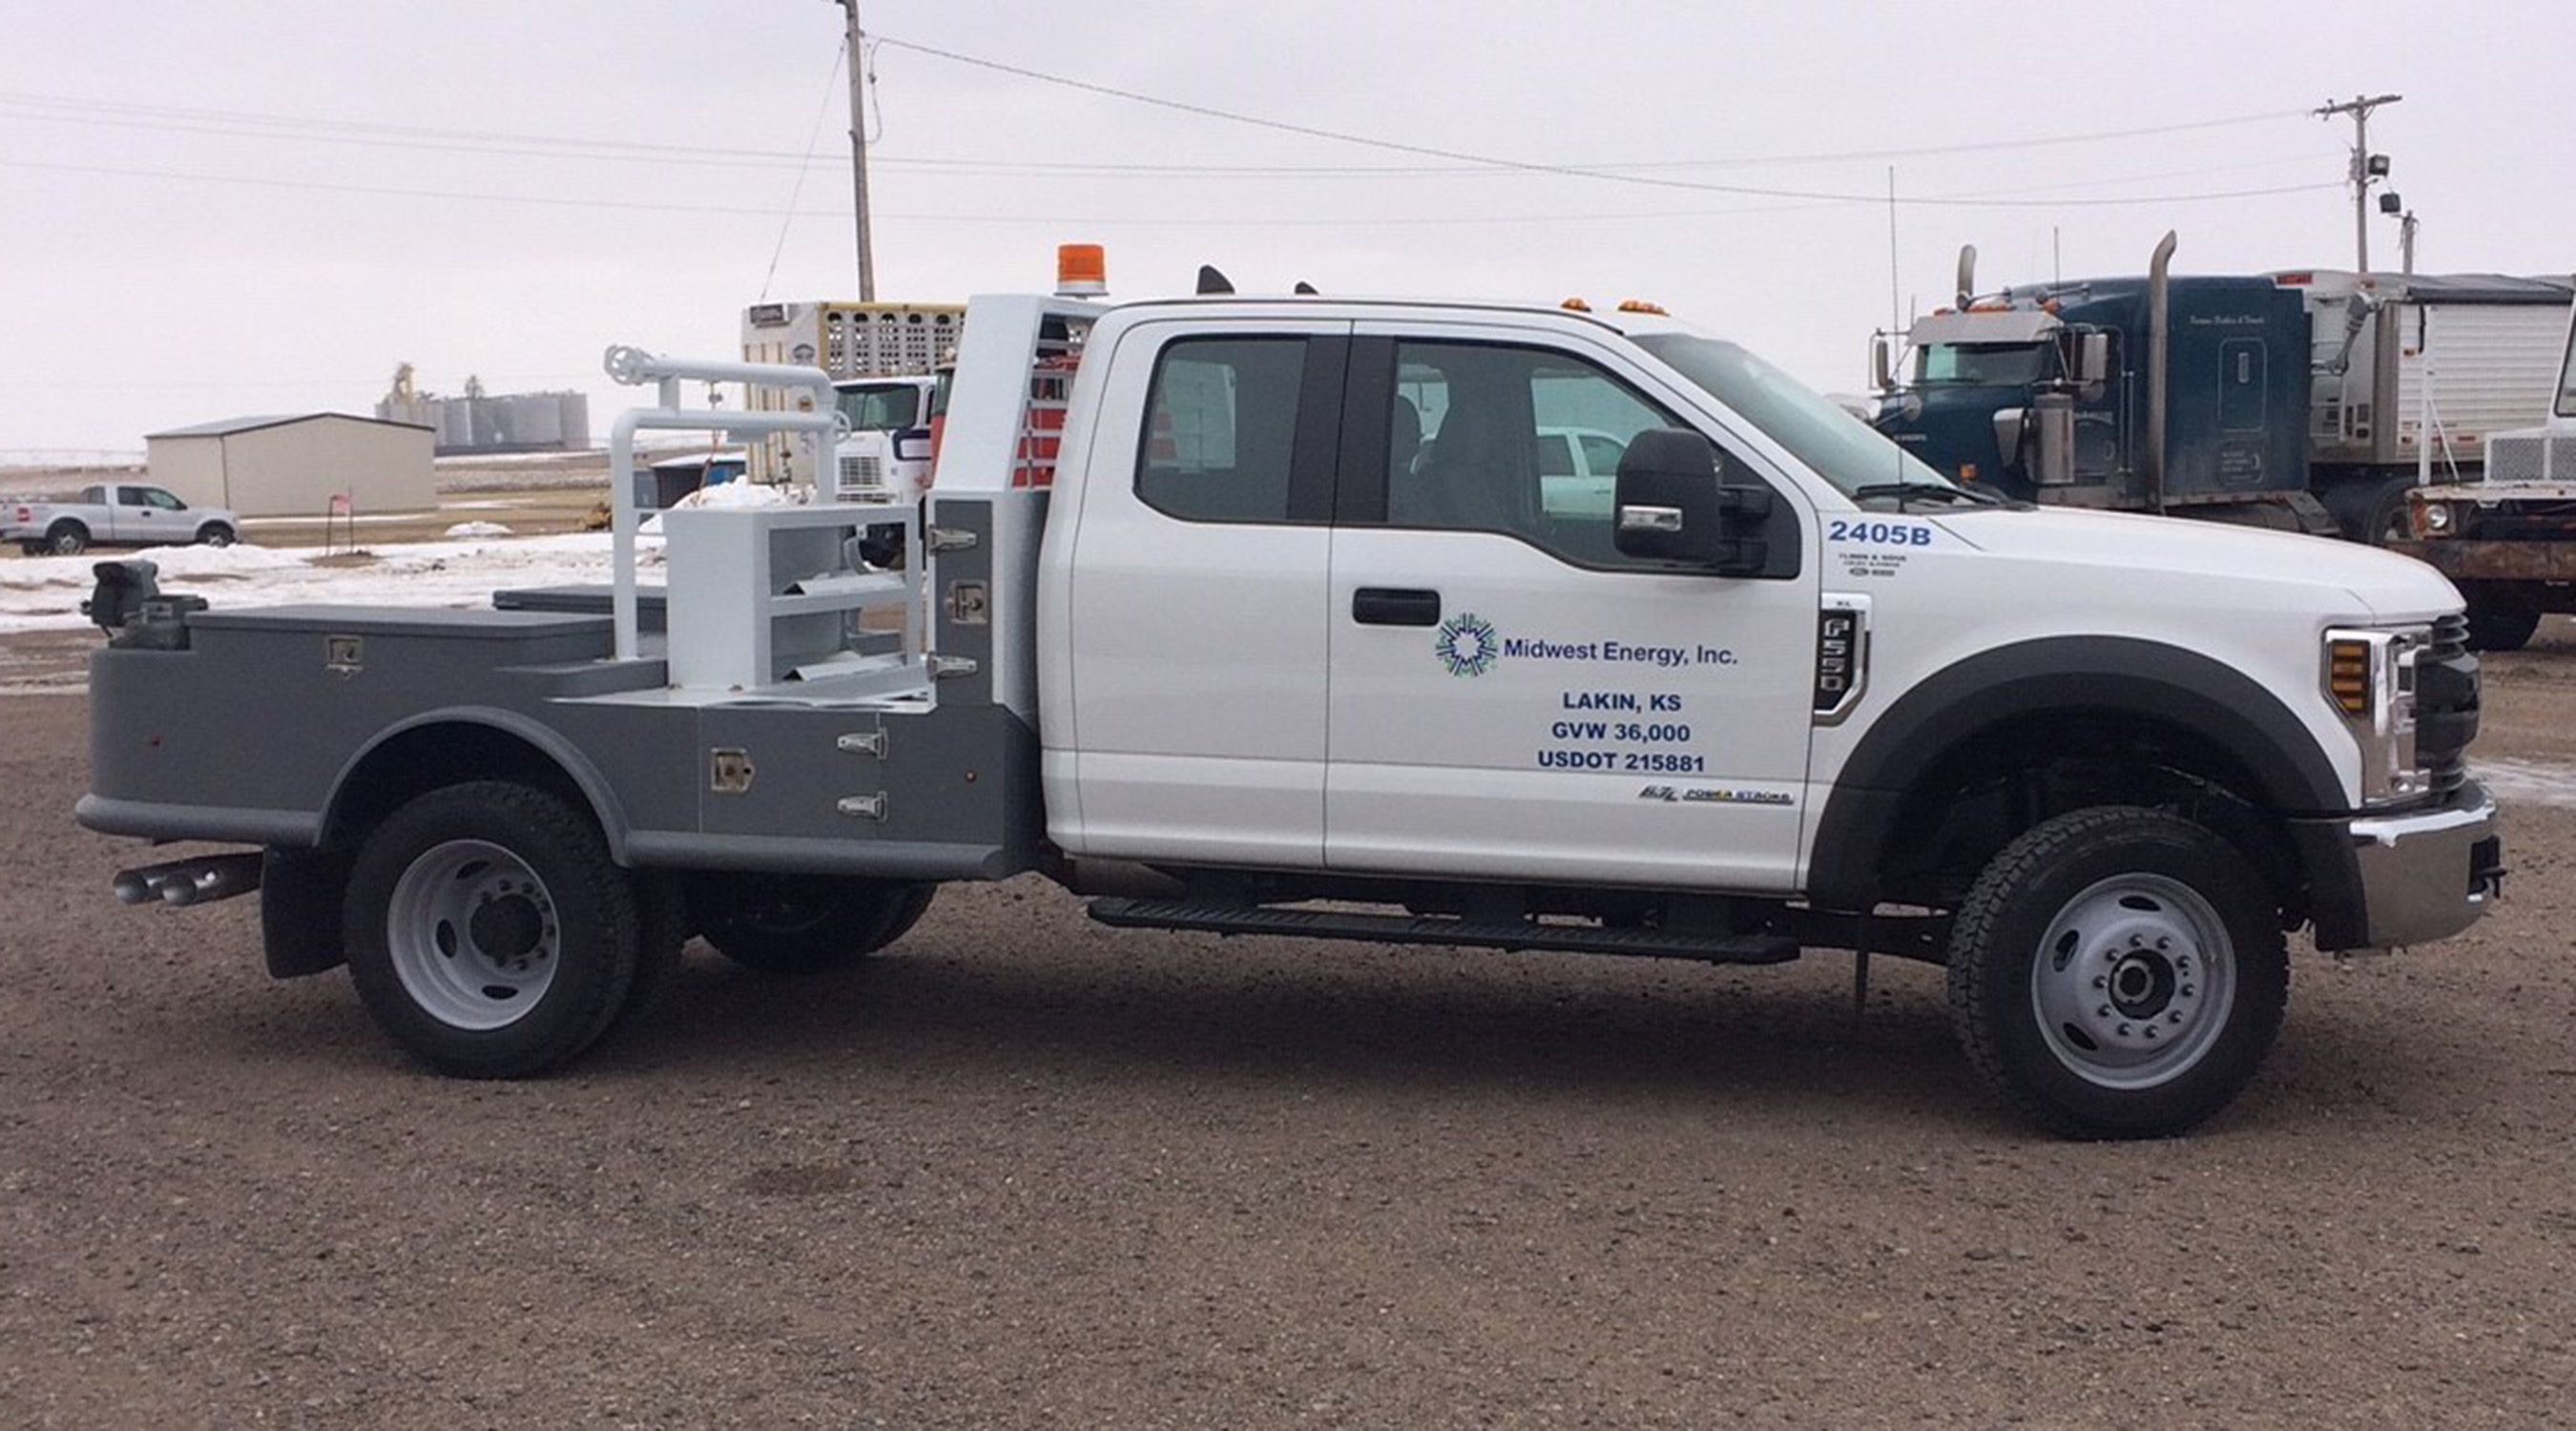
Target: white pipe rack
<point>633,367</point>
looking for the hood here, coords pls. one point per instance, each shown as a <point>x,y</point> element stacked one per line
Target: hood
<point>2223,564</point>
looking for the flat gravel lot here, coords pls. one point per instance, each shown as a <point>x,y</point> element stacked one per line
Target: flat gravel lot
<point>1021,1171</point>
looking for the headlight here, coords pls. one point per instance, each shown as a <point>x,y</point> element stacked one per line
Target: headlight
<point>2437,518</point>
<point>2370,677</point>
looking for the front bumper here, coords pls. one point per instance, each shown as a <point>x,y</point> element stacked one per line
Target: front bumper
<point>2421,876</point>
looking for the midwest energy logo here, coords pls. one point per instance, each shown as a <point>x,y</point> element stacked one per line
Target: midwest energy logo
<point>1467,645</point>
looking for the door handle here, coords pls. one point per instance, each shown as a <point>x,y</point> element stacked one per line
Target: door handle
<point>1395,606</point>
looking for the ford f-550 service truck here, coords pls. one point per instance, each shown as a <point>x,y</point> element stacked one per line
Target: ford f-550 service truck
<point>1278,633</point>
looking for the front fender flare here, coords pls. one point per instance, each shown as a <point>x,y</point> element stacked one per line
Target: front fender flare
<point>2223,706</point>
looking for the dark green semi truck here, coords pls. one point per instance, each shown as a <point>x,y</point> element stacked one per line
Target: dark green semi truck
<point>2309,400</point>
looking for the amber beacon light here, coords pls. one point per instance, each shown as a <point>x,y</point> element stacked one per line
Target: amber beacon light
<point>1081,270</point>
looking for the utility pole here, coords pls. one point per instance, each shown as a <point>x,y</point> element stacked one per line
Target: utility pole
<point>859,148</point>
<point>2367,168</point>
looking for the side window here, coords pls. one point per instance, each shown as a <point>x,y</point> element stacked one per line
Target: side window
<point>1220,428</point>
<point>155,497</point>
<point>1484,439</point>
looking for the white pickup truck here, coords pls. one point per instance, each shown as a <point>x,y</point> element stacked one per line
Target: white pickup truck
<point>123,515</point>
<point>1284,637</point>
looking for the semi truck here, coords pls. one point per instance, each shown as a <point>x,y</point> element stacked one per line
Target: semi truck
<point>884,360</point>
<point>2308,400</point>
<point>2510,538</point>
<point>1273,625</point>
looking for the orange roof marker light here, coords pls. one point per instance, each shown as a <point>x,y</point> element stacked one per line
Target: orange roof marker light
<point>1081,270</point>
<point>1639,305</point>
<point>1575,305</point>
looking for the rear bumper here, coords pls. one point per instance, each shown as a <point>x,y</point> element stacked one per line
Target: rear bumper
<point>2412,878</point>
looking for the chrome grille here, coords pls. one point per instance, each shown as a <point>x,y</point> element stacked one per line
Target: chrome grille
<point>2446,703</point>
<point>862,474</point>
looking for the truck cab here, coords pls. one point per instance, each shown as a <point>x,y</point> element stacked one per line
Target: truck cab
<point>2048,393</point>
<point>887,449</point>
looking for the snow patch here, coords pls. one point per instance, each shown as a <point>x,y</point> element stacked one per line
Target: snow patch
<point>43,593</point>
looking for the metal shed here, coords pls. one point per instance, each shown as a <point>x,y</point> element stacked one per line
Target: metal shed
<point>292,465</point>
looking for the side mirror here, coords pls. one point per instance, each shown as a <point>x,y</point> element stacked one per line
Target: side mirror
<point>2009,425</point>
<point>1882,370</point>
<point>2092,358</point>
<point>1669,507</point>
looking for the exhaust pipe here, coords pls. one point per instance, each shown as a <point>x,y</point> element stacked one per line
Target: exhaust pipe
<point>1967,275</point>
<point>182,883</point>
<point>2159,361</point>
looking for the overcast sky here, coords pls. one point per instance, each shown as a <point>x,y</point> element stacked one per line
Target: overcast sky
<point>209,211</point>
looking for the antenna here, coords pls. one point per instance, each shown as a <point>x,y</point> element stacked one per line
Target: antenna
<point>1895,313</point>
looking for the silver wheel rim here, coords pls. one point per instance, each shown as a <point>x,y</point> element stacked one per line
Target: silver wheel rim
<point>473,934</point>
<point>2134,981</point>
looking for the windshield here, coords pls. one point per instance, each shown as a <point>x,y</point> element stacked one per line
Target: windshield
<point>1841,448</point>
<point>2567,378</point>
<point>890,407</point>
<point>1989,364</point>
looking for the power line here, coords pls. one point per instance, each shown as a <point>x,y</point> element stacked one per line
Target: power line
<point>1433,151</point>
<point>248,124</point>
<point>1132,220</point>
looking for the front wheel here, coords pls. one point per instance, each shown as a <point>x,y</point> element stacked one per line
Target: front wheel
<point>798,924</point>
<point>489,932</point>
<point>2117,973</point>
<point>217,535</point>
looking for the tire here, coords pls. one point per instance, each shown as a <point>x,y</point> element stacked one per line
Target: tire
<point>2117,973</point>
<point>217,534</point>
<point>488,931</point>
<point>67,539</point>
<point>801,924</point>
<point>2372,511</point>
<point>2500,623</point>
<point>662,930</point>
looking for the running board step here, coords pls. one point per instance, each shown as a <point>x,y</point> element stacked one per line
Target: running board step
<point>1511,934</point>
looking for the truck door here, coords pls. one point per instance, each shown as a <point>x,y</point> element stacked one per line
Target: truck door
<point>1509,693</point>
<point>1197,612</point>
<point>134,516</point>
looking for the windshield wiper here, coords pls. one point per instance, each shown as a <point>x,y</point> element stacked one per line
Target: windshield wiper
<point>1903,491</point>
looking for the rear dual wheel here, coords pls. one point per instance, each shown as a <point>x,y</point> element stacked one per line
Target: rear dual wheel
<point>491,935</point>
<point>2117,973</point>
<point>801,924</point>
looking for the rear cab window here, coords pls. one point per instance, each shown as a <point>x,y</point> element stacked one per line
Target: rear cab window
<point>1221,428</point>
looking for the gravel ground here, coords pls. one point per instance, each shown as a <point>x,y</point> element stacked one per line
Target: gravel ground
<point>1021,1171</point>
